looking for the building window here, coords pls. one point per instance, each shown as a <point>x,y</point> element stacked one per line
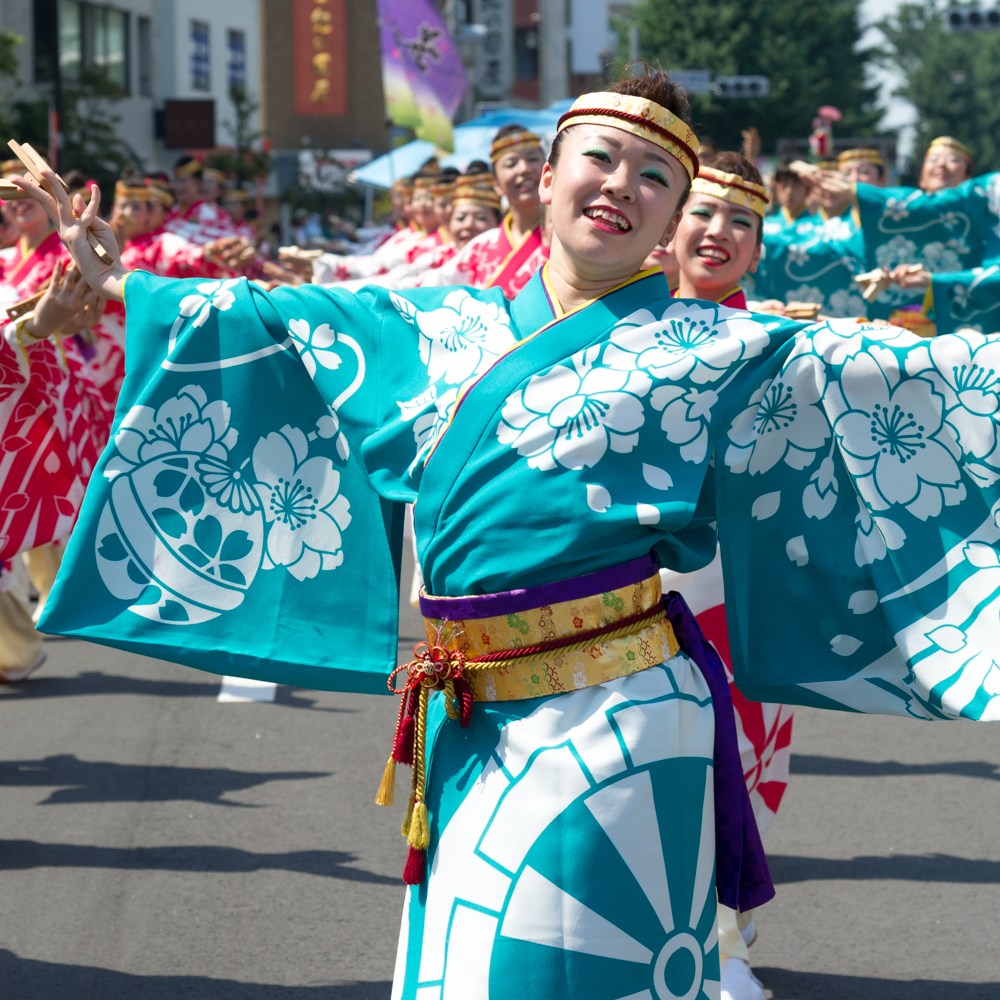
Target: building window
<point>237,45</point>
<point>145,57</point>
<point>201,56</point>
<point>88,39</point>
<point>526,53</point>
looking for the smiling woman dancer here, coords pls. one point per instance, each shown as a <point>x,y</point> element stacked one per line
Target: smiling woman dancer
<point>577,794</point>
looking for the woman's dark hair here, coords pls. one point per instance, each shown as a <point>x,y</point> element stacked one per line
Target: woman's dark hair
<point>653,85</point>
<point>447,175</point>
<point>477,167</point>
<point>736,163</point>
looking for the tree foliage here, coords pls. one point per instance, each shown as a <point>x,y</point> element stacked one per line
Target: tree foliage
<point>951,78</point>
<point>808,48</point>
<point>244,161</point>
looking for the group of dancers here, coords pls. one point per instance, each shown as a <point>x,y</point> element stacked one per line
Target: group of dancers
<point>584,368</point>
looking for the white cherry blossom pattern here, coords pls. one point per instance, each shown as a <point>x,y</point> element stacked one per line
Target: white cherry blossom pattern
<point>315,347</point>
<point>302,505</point>
<point>687,414</point>
<point>836,340</point>
<point>876,536</point>
<point>892,439</point>
<point>185,422</point>
<point>211,295</point>
<point>460,339</point>
<point>570,416</point>
<point>688,341</point>
<point>965,370</point>
<point>782,422</point>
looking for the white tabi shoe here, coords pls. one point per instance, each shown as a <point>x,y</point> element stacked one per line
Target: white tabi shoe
<point>15,676</point>
<point>749,934</point>
<point>738,982</point>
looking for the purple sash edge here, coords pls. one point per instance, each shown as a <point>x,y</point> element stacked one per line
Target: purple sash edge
<point>513,601</point>
<point>742,877</point>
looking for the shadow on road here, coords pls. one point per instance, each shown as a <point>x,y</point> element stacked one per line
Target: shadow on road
<point>845,767</point>
<point>26,979</point>
<point>787,868</point>
<point>95,682</point>
<point>787,985</point>
<point>105,781</point>
<point>21,855</point>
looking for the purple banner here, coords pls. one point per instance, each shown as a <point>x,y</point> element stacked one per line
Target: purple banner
<point>422,72</point>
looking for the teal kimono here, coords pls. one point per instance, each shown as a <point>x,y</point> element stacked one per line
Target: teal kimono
<point>812,268</point>
<point>966,300</point>
<point>948,231</point>
<point>244,520</point>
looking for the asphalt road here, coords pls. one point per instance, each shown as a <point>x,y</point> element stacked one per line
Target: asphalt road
<point>155,843</point>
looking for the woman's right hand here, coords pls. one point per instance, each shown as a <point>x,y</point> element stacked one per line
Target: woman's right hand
<point>72,220</point>
<point>65,298</point>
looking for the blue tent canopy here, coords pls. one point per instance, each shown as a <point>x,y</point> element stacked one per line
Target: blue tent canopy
<point>472,142</point>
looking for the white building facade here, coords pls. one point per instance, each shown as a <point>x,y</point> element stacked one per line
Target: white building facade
<point>156,50</point>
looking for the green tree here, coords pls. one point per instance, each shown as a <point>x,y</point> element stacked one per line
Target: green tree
<point>810,50</point>
<point>951,78</point>
<point>244,161</point>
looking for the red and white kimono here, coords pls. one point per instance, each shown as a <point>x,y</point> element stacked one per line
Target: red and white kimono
<point>329,268</point>
<point>412,275</point>
<point>201,222</point>
<point>56,407</point>
<point>492,261</point>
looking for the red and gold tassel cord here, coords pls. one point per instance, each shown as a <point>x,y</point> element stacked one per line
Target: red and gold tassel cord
<point>435,668</point>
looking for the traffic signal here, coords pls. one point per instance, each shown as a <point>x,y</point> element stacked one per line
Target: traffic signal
<point>741,86</point>
<point>972,18</point>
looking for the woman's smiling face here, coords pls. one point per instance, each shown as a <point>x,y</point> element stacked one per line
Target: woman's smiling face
<point>613,196</point>
<point>716,244</point>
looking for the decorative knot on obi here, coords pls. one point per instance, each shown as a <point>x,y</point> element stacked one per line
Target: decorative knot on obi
<point>517,645</point>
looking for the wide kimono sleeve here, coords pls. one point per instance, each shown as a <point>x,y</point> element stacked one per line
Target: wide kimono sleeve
<point>859,515</point>
<point>965,299</point>
<point>813,269</point>
<point>235,523</point>
<point>946,231</point>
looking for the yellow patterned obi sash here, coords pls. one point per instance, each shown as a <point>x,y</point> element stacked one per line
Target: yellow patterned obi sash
<point>588,660</point>
<point>521,644</point>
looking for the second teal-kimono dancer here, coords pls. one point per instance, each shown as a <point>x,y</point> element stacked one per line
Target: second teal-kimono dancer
<point>243,522</point>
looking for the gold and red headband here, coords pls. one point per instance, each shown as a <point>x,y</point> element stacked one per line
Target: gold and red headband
<point>640,117</point>
<point>187,169</point>
<point>732,188</point>
<point>213,174</point>
<point>235,194</point>
<point>157,192</point>
<point>471,189</point>
<point>423,183</point>
<point>947,142</point>
<point>514,142</point>
<point>137,193</point>
<point>442,189</point>
<point>862,154</point>
<point>403,184</point>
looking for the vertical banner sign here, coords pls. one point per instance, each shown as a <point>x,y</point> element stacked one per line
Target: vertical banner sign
<point>422,73</point>
<point>495,62</point>
<point>319,45</point>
